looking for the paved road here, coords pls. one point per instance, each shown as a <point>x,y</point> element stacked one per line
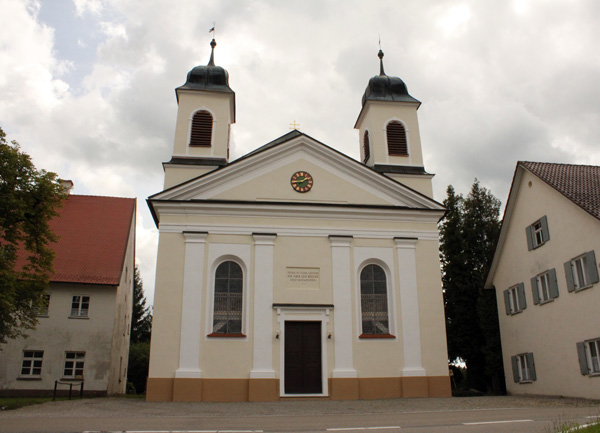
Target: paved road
<point>486,414</point>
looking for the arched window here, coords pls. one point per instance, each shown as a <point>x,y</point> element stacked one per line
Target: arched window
<point>373,301</point>
<point>202,124</point>
<point>396,139</point>
<point>366,147</point>
<point>229,285</point>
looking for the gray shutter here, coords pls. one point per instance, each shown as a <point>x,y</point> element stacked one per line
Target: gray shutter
<point>545,231</point>
<point>515,367</point>
<point>534,291</point>
<point>553,283</point>
<point>581,353</point>
<point>529,232</point>
<point>521,295</point>
<point>531,366</point>
<point>507,302</point>
<point>569,276</point>
<point>591,270</point>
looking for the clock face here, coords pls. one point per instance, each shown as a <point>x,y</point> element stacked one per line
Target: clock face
<point>302,181</point>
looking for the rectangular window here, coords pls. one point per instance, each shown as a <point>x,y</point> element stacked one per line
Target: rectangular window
<point>538,233</point>
<point>589,356</point>
<point>80,306</point>
<point>32,363</point>
<point>74,365</point>
<point>514,299</point>
<point>544,287</point>
<point>42,309</point>
<point>581,272</point>
<point>523,368</point>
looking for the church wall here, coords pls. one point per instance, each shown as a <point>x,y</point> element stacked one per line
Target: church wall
<point>166,326</point>
<point>274,184</point>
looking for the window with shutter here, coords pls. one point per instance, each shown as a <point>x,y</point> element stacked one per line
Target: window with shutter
<point>523,368</point>
<point>589,357</point>
<point>514,298</point>
<point>396,139</point>
<point>366,147</point>
<point>581,272</point>
<point>538,233</point>
<point>544,287</point>
<point>201,133</point>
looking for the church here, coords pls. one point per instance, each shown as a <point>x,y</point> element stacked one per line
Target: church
<point>296,271</point>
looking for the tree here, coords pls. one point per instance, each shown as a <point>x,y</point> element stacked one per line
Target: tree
<point>468,237</point>
<point>139,347</point>
<point>29,199</point>
<point>141,317</point>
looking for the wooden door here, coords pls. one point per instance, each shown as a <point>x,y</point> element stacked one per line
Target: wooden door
<point>303,373</point>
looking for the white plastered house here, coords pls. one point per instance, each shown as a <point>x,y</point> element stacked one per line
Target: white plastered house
<point>296,271</point>
<point>545,273</point>
<point>83,331</point>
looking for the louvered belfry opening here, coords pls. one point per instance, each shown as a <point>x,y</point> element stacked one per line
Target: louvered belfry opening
<point>201,129</point>
<point>367,147</point>
<point>396,139</point>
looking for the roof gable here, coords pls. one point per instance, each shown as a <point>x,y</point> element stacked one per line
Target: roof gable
<point>580,184</point>
<point>93,234</point>
<point>264,176</point>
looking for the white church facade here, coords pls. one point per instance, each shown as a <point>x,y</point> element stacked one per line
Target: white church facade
<point>295,270</point>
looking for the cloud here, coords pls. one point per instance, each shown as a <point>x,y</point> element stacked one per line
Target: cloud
<point>88,86</point>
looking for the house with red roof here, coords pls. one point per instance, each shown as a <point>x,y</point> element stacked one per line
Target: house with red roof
<point>83,330</point>
<point>545,273</point>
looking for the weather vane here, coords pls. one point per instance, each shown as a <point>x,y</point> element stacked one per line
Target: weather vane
<point>213,31</point>
<point>294,125</point>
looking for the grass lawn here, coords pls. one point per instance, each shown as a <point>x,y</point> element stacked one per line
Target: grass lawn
<point>9,403</point>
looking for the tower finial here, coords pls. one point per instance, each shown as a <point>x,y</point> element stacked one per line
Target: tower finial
<point>213,44</point>
<point>380,55</point>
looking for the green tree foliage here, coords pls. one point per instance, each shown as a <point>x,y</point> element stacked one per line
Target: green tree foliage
<point>141,317</point>
<point>139,347</point>
<point>468,237</point>
<point>28,201</point>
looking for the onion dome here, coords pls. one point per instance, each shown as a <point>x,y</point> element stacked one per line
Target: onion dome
<point>384,88</point>
<point>209,78</point>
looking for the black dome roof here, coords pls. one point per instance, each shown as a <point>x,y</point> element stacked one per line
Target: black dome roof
<point>384,88</point>
<point>210,77</point>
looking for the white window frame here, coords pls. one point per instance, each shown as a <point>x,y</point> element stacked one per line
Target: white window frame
<point>543,287</point>
<point>524,369</point>
<point>77,359</point>
<point>578,269</point>
<point>538,234</point>
<point>237,261</point>
<point>589,357</point>
<point>219,253</point>
<point>514,305</point>
<point>386,270</point>
<point>32,360</point>
<point>80,312</point>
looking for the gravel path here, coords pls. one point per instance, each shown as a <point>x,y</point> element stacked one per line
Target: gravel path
<point>125,407</point>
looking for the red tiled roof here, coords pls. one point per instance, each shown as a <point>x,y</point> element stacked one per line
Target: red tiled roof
<point>93,232</point>
<point>579,183</point>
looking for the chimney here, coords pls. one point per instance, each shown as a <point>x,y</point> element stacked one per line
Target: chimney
<point>67,185</point>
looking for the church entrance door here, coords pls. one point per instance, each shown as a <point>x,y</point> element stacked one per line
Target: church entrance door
<point>303,358</point>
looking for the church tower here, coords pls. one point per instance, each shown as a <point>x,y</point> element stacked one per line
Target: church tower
<point>206,110</point>
<point>390,142</point>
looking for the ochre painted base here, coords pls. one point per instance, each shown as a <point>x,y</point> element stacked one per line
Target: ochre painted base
<point>229,390</point>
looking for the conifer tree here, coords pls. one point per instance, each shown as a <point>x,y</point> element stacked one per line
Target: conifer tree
<point>468,237</point>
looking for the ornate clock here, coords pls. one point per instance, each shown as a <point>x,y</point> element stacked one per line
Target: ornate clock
<point>302,181</point>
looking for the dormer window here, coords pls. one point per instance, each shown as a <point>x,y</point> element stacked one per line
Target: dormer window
<point>396,139</point>
<point>202,124</point>
<point>366,147</point>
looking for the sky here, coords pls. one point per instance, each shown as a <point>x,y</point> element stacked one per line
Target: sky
<point>87,86</point>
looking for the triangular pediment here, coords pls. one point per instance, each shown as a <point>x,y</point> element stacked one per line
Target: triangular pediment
<point>265,176</point>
